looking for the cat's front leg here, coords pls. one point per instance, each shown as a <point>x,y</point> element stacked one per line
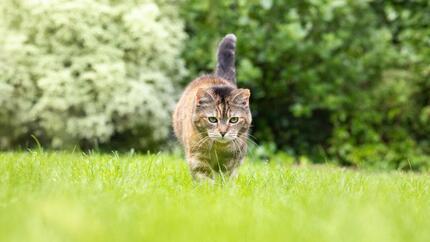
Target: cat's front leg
<point>232,168</point>
<point>200,170</point>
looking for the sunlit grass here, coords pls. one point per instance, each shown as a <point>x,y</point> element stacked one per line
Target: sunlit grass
<point>76,197</point>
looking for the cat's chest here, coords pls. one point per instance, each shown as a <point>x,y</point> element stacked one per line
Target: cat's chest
<point>218,154</point>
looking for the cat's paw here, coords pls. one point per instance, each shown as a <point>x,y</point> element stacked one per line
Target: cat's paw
<point>203,178</point>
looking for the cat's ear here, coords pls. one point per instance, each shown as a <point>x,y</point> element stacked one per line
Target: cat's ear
<point>241,96</point>
<point>203,97</point>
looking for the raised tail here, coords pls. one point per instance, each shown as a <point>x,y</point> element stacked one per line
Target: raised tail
<point>226,57</point>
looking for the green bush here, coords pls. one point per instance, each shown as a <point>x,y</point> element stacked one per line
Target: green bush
<point>335,80</point>
<point>329,78</point>
<point>88,72</point>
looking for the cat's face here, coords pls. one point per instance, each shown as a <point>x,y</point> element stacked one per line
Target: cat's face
<point>222,113</point>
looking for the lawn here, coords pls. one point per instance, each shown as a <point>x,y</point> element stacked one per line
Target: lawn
<point>47,196</point>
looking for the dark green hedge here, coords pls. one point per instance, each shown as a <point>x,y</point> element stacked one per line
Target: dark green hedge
<point>336,80</point>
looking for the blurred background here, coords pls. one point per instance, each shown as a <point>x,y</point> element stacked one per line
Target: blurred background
<point>340,81</point>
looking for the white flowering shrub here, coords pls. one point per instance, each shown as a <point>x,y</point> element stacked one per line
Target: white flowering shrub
<point>88,72</point>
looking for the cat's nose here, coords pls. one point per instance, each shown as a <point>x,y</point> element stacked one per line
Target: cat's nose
<point>222,133</point>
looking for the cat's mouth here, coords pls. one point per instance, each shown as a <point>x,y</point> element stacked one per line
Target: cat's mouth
<point>222,140</point>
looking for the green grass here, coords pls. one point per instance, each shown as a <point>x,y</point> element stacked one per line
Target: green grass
<point>73,197</point>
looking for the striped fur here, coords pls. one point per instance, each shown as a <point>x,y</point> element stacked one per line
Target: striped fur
<point>221,146</point>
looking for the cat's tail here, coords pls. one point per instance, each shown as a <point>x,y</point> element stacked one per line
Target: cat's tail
<point>226,56</point>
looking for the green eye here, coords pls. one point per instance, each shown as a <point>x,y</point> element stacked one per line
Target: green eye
<point>213,119</point>
<point>234,120</point>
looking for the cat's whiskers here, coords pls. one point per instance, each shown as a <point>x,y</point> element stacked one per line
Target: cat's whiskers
<point>200,143</point>
<point>252,138</point>
<point>248,138</point>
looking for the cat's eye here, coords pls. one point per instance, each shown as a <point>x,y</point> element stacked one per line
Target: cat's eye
<point>213,119</point>
<point>234,120</point>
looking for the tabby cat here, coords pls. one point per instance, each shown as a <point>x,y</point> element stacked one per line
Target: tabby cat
<point>212,118</point>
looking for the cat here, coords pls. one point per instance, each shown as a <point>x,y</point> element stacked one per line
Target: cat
<point>212,118</point>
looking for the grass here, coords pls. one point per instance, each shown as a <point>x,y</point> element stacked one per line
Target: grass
<point>99,197</point>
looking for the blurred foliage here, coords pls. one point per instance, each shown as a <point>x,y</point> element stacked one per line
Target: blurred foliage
<point>336,79</point>
<point>88,72</point>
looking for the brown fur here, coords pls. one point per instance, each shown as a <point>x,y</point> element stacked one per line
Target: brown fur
<point>214,147</point>
<point>203,154</point>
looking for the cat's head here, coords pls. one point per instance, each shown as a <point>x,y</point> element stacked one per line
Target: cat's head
<point>222,112</point>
